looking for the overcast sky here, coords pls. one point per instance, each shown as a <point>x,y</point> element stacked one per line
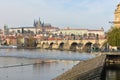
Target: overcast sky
<point>90,14</point>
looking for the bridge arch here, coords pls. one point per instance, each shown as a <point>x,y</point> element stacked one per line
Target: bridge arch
<point>51,44</point>
<point>74,46</point>
<point>96,47</point>
<point>43,44</point>
<point>87,47</point>
<point>80,45</point>
<point>61,45</point>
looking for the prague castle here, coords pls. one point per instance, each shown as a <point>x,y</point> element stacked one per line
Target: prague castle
<point>117,17</point>
<point>37,28</point>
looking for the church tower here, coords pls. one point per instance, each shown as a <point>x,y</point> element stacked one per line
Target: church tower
<point>37,23</point>
<point>117,17</point>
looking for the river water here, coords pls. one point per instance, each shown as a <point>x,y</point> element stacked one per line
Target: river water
<point>112,72</point>
<point>40,64</point>
<point>23,64</point>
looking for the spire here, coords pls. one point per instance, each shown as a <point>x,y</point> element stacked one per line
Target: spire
<point>34,23</point>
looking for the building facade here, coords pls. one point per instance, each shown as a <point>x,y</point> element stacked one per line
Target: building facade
<point>37,28</point>
<point>73,31</point>
<point>117,17</point>
<point>84,33</point>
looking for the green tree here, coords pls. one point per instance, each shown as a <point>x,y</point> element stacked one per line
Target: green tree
<point>113,37</point>
<point>30,41</point>
<point>19,41</point>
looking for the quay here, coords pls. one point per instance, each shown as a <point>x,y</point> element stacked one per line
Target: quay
<point>113,58</point>
<point>90,69</point>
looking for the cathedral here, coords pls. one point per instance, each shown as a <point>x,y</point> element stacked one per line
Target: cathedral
<point>38,23</point>
<point>117,17</point>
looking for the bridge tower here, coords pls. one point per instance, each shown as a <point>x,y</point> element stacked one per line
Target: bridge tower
<point>117,17</point>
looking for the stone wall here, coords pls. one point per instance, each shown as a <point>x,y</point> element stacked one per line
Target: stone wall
<point>86,70</point>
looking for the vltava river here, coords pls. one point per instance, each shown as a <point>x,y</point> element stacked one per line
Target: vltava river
<point>19,64</point>
<point>112,72</point>
<point>38,64</point>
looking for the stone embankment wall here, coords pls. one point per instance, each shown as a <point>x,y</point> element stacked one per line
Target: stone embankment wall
<point>113,58</point>
<point>86,70</point>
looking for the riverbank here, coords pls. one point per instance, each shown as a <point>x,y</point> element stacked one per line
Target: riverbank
<point>86,70</point>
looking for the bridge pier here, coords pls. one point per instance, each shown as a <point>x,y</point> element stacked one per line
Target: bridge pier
<point>66,46</point>
<point>39,45</point>
<point>55,46</point>
<point>45,46</point>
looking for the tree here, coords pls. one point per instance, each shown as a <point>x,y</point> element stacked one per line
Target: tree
<point>113,37</point>
<point>31,42</point>
<point>19,40</point>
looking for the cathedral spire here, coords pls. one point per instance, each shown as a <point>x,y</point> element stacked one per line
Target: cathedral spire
<point>34,23</point>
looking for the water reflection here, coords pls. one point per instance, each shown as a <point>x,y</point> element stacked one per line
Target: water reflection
<point>113,72</point>
<point>45,54</point>
<point>42,71</point>
<point>49,71</point>
<point>43,64</point>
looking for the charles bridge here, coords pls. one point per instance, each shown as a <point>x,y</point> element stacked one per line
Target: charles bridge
<point>71,44</point>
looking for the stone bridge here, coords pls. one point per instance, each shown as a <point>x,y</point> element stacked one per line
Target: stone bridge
<point>71,44</point>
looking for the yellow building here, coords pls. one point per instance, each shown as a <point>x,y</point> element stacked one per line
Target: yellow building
<point>73,31</point>
<point>117,16</point>
<point>82,32</point>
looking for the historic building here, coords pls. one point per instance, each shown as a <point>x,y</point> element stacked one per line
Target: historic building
<point>37,28</point>
<point>84,33</point>
<point>69,31</point>
<point>117,17</point>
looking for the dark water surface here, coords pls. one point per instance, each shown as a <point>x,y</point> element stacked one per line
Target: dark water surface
<point>18,64</point>
<point>112,72</point>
